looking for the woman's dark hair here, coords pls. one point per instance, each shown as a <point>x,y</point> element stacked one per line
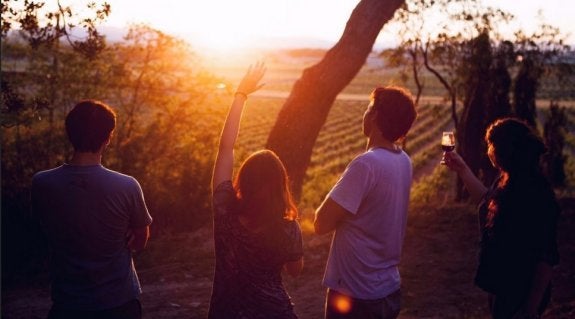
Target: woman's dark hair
<point>516,149</point>
<point>262,181</point>
<point>395,111</point>
<point>89,125</point>
<point>514,145</point>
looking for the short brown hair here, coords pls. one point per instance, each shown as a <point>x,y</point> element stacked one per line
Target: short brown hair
<point>89,125</point>
<point>395,111</point>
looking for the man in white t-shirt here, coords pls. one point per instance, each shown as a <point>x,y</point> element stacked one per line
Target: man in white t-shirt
<point>367,208</point>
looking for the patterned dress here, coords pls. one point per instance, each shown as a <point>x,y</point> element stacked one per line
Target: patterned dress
<point>247,280</point>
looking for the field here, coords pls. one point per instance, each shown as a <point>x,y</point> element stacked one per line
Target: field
<point>441,241</point>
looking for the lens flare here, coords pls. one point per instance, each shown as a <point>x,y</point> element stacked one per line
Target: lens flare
<point>342,304</point>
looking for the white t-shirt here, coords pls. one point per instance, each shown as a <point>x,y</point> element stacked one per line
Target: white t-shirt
<point>366,247</point>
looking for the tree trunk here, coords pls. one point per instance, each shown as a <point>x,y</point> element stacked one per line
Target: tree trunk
<point>448,87</point>
<point>525,90</point>
<point>305,110</point>
<point>415,71</point>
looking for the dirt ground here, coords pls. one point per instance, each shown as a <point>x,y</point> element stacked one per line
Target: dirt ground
<point>437,270</point>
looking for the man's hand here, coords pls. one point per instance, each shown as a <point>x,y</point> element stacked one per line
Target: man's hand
<point>136,238</point>
<point>129,238</point>
<point>328,216</point>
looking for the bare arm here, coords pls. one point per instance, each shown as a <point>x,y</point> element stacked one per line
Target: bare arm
<point>138,238</point>
<point>472,183</point>
<point>294,268</point>
<point>223,167</point>
<point>328,216</point>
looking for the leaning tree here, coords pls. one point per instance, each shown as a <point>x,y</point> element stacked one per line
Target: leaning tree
<point>305,110</point>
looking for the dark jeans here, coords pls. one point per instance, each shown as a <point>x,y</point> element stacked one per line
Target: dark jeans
<point>340,306</point>
<point>130,310</point>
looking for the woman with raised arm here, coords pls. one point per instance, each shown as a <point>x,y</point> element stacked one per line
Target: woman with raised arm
<point>518,219</point>
<point>255,229</point>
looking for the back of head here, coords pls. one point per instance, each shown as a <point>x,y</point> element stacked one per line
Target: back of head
<point>514,146</point>
<point>262,182</point>
<point>395,111</point>
<point>89,125</point>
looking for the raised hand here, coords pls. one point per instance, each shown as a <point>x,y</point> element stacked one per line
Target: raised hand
<point>250,81</point>
<point>455,162</point>
<point>472,183</point>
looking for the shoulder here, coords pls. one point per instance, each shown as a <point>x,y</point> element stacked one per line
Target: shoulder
<point>533,194</point>
<point>292,227</point>
<point>115,174</point>
<point>119,178</point>
<point>46,175</point>
<point>292,234</point>
<point>379,160</point>
<point>364,161</point>
<point>376,156</point>
<point>223,197</point>
<point>225,185</point>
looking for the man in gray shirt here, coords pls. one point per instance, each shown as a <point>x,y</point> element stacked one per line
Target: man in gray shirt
<point>93,219</point>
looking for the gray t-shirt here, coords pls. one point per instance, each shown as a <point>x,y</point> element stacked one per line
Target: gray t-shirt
<point>366,247</point>
<point>85,212</point>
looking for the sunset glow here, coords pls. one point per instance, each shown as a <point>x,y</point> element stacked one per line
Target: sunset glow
<point>225,25</point>
<point>222,26</point>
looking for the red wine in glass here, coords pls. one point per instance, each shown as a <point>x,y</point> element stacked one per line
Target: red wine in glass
<point>447,144</point>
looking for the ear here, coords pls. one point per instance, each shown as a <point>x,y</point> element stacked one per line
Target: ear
<point>109,139</point>
<point>106,143</point>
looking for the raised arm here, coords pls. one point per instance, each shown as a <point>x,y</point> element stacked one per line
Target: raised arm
<point>472,183</point>
<point>223,167</point>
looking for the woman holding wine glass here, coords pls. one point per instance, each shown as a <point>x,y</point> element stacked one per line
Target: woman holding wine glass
<point>518,216</point>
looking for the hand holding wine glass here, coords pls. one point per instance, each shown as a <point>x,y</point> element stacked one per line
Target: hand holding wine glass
<point>447,144</point>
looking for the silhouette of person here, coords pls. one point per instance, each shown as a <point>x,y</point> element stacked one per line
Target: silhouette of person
<point>93,218</point>
<point>255,229</point>
<point>518,219</point>
<point>367,208</point>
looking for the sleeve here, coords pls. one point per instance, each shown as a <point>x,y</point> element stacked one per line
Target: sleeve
<point>140,217</point>
<point>353,185</point>
<point>295,250</point>
<point>222,198</point>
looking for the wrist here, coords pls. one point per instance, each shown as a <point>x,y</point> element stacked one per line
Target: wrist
<point>241,95</point>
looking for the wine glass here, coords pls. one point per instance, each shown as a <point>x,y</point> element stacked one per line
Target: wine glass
<point>447,144</point>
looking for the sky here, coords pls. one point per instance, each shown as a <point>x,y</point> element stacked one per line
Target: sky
<point>227,24</point>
